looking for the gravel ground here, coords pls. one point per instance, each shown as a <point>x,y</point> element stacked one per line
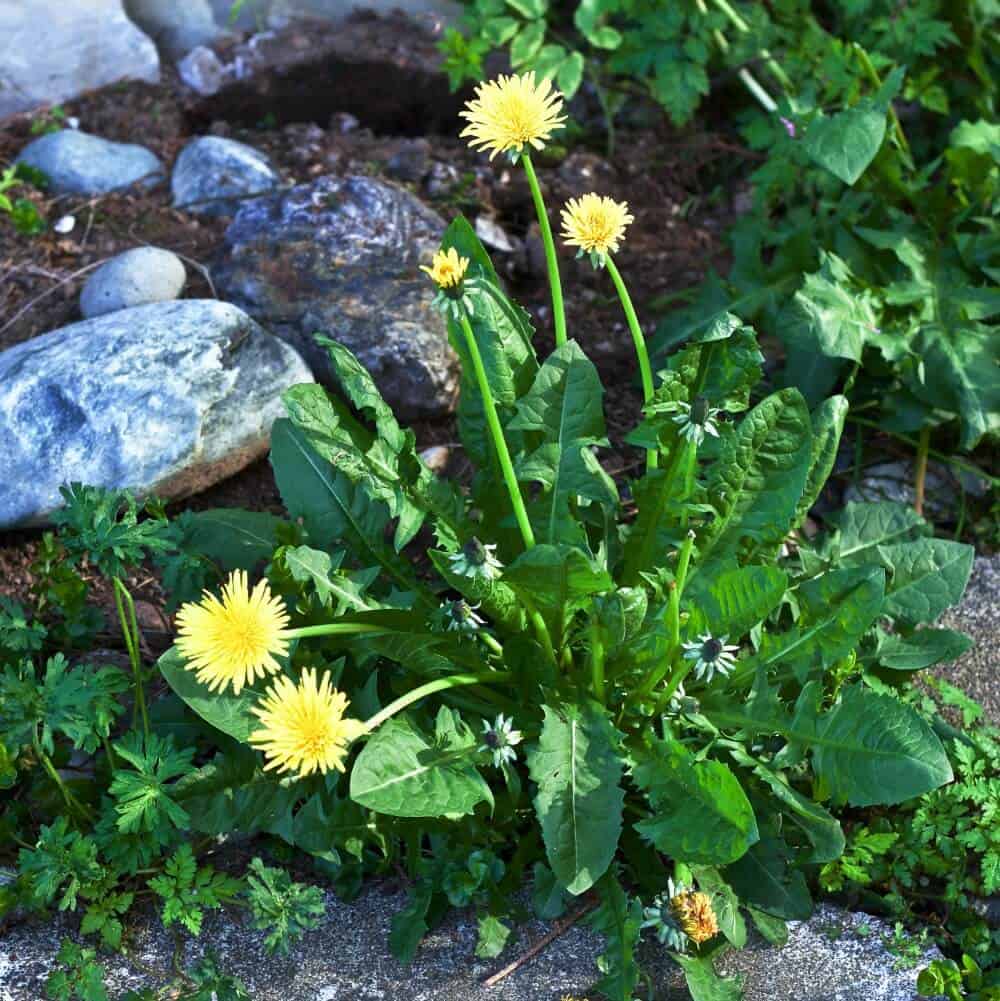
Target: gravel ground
<point>836,956</point>
<point>978,672</point>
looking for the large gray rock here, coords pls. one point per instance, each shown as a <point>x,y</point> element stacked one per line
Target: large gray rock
<point>134,278</point>
<point>175,27</point>
<point>167,399</point>
<point>213,175</point>
<point>836,956</point>
<point>77,163</point>
<point>339,257</point>
<point>53,50</point>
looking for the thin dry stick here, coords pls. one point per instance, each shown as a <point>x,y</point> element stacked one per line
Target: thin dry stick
<point>38,298</point>
<point>560,929</point>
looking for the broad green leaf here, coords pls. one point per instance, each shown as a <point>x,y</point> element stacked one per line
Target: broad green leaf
<point>832,310</point>
<point>589,17</point>
<point>822,829</point>
<point>700,814</point>
<point>868,749</point>
<point>827,427</point>
<point>313,566</point>
<point>619,920</point>
<point>926,577</point>
<point>836,608</point>
<point>872,749</point>
<point>579,800</point>
<point>403,773</point>
<point>569,76</point>
<point>733,601</point>
<point>493,935</point>
<point>760,475</point>
<point>334,508</point>
<point>527,42</point>
<point>772,929</point>
<point>564,408</point>
<point>548,897</point>
<point>409,925</point>
<point>725,903</point>
<point>226,712</point>
<point>861,528</point>
<point>557,581</point>
<point>766,878</point>
<point>231,537</point>
<point>704,983</point>
<point>847,142</point>
<point>921,649</point>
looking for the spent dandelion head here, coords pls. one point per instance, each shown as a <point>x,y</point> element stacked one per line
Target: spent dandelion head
<point>303,726</point>
<point>512,112</point>
<point>595,224</point>
<point>695,915</point>
<point>234,640</point>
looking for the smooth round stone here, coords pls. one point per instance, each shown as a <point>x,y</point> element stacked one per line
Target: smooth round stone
<point>167,399</point>
<point>214,176</point>
<point>137,277</point>
<point>77,163</point>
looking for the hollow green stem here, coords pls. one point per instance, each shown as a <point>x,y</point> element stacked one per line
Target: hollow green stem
<point>597,660</point>
<point>551,261</point>
<point>876,80</point>
<point>336,629</point>
<point>69,799</point>
<point>492,643</point>
<point>440,685</point>
<point>130,633</point>
<point>645,372</point>
<point>741,25</point>
<point>496,432</point>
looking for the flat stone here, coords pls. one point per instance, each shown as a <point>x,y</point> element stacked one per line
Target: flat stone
<point>276,13</point>
<point>836,956</point>
<point>175,27</point>
<point>167,398</point>
<point>52,51</point>
<point>77,163</point>
<point>339,257</point>
<point>134,278</point>
<point>214,176</point>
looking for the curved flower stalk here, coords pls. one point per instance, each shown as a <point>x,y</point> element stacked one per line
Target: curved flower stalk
<point>511,115</point>
<point>595,225</point>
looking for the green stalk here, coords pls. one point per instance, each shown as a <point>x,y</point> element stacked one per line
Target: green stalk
<point>551,261</point>
<point>130,632</point>
<point>645,372</point>
<point>496,432</point>
<point>336,629</point>
<point>876,80</point>
<point>769,61</point>
<point>440,685</point>
<point>597,660</point>
<point>70,800</point>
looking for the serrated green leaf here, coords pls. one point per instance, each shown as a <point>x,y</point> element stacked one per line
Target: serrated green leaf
<point>704,983</point>
<point>926,577</point>
<point>700,814</point>
<point>579,799</point>
<point>403,773</point>
<point>921,649</point>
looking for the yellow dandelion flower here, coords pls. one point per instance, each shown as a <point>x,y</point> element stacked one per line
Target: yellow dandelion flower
<point>447,269</point>
<point>512,112</point>
<point>235,640</point>
<point>303,726</point>
<point>595,224</point>
<point>695,915</point>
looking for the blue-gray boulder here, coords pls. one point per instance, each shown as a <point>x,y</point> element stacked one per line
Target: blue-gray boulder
<point>167,399</point>
<point>54,50</point>
<point>214,176</point>
<point>134,278</point>
<point>339,256</point>
<point>77,163</point>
